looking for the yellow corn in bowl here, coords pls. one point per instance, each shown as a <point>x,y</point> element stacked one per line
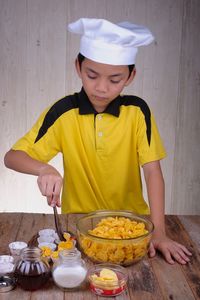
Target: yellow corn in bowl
<point>118,237</point>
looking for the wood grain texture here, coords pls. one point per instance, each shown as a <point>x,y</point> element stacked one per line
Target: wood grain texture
<point>148,279</point>
<point>192,225</point>
<point>186,175</point>
<point>37,67</point>
<point>9,223</point>
<point>172,281</point>
<point>179,233</point>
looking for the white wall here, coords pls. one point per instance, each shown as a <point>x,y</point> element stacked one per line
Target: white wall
<point>37,67</point>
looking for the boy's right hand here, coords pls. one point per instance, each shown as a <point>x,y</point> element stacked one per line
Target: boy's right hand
<point>50,184</point>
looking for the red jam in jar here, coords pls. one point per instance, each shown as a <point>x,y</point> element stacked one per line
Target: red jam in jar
<point>31,271</point>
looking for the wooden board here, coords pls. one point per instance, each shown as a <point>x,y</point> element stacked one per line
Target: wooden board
<point>148,279</point>
<point>37,67</point>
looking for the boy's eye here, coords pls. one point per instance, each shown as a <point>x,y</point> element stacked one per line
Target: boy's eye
<point>91,77</point>
<point>95,77</point>
<point>115,81</point>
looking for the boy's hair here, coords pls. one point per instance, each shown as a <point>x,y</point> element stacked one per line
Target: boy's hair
<point>81,58</point>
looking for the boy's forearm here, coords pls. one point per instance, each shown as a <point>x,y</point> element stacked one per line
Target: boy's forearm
<point>157,216</point>
<point>20,161</point>
<point>156,202</point>
<point>155,189</point>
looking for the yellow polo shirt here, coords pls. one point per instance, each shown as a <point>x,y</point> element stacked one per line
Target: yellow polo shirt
<point>102,152</point>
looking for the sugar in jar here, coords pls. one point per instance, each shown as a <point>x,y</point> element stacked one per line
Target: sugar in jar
<point>31,271</point>
<point>69,271</point>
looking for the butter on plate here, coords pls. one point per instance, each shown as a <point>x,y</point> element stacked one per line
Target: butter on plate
<point>107,278</point>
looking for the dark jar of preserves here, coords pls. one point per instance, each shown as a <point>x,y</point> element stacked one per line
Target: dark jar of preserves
<point>31,271</point>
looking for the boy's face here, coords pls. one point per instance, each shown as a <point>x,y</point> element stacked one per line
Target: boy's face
<point>103,83</point>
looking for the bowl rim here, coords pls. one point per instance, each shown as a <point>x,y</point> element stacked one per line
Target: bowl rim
<point>104,213</point>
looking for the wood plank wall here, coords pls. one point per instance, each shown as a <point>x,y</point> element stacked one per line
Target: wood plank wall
<point>37,67</point>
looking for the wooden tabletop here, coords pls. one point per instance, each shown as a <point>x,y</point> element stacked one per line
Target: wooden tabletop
<point>148,279</point>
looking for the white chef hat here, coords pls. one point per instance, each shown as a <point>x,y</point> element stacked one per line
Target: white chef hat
<point>108,43</point>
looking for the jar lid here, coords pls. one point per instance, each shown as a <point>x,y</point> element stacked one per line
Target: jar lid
<point>7,283</point>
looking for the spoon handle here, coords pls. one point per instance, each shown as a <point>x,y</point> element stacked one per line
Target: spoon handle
<point>57,224</point>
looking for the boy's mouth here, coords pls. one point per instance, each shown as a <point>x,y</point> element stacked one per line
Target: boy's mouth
<point>99,98</point>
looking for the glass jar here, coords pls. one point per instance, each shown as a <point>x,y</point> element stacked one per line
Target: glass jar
<point>31,271</point>
<point>69,271</point>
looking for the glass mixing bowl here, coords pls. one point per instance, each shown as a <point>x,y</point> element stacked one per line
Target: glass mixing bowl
<point>114,248</point>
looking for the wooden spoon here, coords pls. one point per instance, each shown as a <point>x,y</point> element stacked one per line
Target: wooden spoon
<point>57,224</point>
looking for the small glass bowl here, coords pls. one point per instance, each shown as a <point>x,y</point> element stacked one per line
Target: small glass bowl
<point>109,250</point>
<point>6,259</point>
<point>6,264</point>
<point>45,239</point>
<point>6,268</point>
<point>104,288</point>
<point>16,247</point>
<point>47,232</point>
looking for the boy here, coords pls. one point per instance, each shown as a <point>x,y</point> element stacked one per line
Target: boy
<point>104,137</point>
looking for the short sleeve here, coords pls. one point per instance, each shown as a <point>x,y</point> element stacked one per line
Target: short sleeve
<point>43,149</point>
<point>149,146</point>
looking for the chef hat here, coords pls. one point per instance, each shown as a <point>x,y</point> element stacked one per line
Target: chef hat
<point>108,43</point>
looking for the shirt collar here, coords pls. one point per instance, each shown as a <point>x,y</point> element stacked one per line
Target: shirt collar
<point>85,106</point>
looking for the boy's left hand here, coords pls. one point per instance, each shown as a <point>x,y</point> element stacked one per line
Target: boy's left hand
<point>171,250</point>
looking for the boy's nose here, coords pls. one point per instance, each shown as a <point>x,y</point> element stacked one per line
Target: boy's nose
<point>102,86</point>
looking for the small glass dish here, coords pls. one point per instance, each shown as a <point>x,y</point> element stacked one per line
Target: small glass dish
<point>45,239</point>
<point>6,268</point>
<point>107,288</point>
<point>47,232</point>
<point>16,247</point>
<point>6,259</point>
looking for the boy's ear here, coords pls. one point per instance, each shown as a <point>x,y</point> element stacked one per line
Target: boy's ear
<point>131,77</point>
<point>77,66</point>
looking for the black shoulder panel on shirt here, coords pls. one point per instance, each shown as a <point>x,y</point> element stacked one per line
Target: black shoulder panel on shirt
<point>57,109</point>
<point>136,101</point>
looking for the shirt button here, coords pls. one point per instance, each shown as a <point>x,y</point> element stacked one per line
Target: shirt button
<point>99,117</point>
<point>100,133</point>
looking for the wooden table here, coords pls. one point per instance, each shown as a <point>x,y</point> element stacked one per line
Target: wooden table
<point>149,279</point>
